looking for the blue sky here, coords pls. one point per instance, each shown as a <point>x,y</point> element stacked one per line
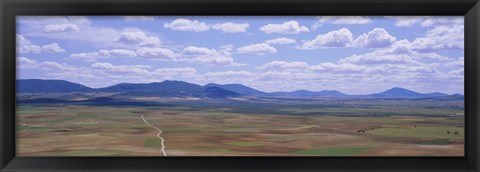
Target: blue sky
<point>352,54</point>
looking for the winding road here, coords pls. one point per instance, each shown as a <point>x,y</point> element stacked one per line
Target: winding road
<point>158,135</point>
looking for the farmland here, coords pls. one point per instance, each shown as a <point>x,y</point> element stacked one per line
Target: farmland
<point>350,128</point>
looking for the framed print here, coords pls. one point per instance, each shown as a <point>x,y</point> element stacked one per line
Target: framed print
<point>230,85</point>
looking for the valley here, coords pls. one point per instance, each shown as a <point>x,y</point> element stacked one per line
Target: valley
<point>149,121</point>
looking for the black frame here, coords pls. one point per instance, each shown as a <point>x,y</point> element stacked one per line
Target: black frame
<point>10,8</point>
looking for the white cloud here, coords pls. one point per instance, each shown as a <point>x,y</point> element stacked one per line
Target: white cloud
<point>175,71</point>
<point>426,21</point>
<point>285,65</point>
<point>183,24</point>
<point>281,41</point>
<point>61,28</point>
<point>24,62</point>
<point>341,67</point>
<point>27,63</point>
<point>341,20</point>
<point>139,38</point>
<point>230,27</point>
<point>138,18</point>
<point>93,56</point>
<point>440,38</point>
<point>156,53</point>
<point>405,21</point>
<point>290,27</point>
<point>457,63</point>
<point>94,35</point>
<point>29,49</point>
<point>401,52</point>
<point>229,74</point>
<point>21,40</point>
<point>138,69</point>
<point>438,21</point>
<point>79,20</point>
<point>333,39</point>
<point>53,48</point>
<point>377,38</point>
<point>25,46</point>
<point>260,49</point>
<point>208,56</point>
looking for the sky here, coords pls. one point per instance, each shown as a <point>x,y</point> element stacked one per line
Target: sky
<point>351,54</point>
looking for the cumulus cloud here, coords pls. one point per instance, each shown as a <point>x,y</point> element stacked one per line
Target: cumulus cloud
<point>260,49</point>
<point>139,38</point>
<point>341,20</point>
<point>93,56</point>
<point>183,24</point>
<point>21,40</point>
<point>29,49</point>
<point>440,38</point>
<point>426,21</point>
<point>377,38</point>
<point>229,74</point>
<point>285,65</point>
<point>138,69</point>
<point>61,28</point>
<point>25,46</point>
<point>290,27</point>
<point>156,53</point>
<point>460,62</point>
<point>438,21</point>
<point>333,39</point>
<point>230,27</point>
<point>281,41</point>
<point>53,48</point>
<point>342,67</point>
<point>138,18</point>
<point>208,56</point>
<point>175,71</point>
<point>27,63</point>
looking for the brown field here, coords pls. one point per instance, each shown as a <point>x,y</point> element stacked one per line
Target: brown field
<point>109,131</point>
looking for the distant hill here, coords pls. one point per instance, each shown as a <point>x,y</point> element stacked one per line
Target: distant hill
<point>306,93</point>
<point>237,88</point>
<point>397,92</point>
<point>49,86</point>
<point>216,92</point>
<point>75,92</point>
<point>165,88</point>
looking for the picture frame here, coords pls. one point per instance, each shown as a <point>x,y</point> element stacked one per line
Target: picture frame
<point>11,8</point>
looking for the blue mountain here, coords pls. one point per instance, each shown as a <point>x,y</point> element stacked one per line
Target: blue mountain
<point>183,89</point>
<point>237,88</point>
<point>168,89</point>
<point>397,92</point>
<point>216,92</point>
<point>49,86</point>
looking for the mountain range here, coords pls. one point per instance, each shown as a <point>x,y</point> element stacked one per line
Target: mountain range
<point>184,89</point>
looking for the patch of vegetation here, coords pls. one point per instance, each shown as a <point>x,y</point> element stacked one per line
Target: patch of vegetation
<point>335,151</point>
<point>152,142</point>
<point>439,132</point>
<point>436,142</point>
<point>21,127</point>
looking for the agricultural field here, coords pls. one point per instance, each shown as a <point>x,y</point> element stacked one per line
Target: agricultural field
<point>79,130</point>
